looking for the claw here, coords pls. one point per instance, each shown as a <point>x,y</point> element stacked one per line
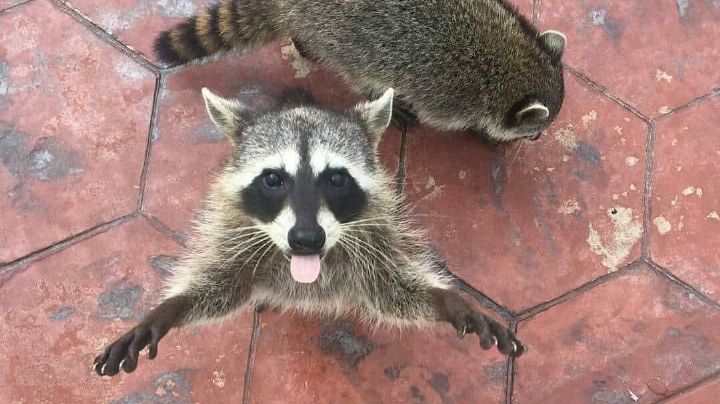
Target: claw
<point>495,340</point>
<point>514,347</point>
<point>461,332</point>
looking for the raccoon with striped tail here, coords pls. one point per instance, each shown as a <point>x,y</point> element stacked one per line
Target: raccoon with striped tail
<point>304,218</point>
<point>455,64</point>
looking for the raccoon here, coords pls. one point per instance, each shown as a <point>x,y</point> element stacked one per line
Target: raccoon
<point>304,218</point>
<point>455,64</point>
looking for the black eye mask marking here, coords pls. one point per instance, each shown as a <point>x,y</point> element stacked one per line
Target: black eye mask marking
<point>265,197</point>
<point>342,194</point>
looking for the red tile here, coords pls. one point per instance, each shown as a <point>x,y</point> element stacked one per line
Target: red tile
<point>301,360</point>
<point>653,54</point>
<point>74,119</point>
<point>706,394</point>
<point>638,334</point>
<point>60,312</point>
<point>544,218</point>
<point>188,149</point>
<point>136,23</point>
<point>685,205</point>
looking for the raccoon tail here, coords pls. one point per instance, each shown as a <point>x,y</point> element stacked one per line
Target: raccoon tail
<point>218,28</point>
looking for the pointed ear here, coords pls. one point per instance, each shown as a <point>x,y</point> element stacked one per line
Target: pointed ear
<point>376,114</point>
<point>227,114</point>
<point>555,42</point>
<point>533,115</point>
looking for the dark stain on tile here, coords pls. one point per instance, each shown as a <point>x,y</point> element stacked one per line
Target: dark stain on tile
<point>62,314</point>
<point>440,382</point>
<point>23,199</point>
<point>496,372</point>
<point>417,395</point>
<point>162,264</point>
<point>13,150</point>
<point>120,301</point>
<point>588,153</point>
<point>168,388</point>
<point>599,17</point>
<point>4,82</point>
<point>338,338</point>
<point>683,303</point>
<point>50,160</point>
<point>393,372</point>
<point>606,396</point>
<point>499,178</point>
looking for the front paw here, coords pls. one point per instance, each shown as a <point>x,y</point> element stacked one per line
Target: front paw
<point>489,331</point>
<point>124,352</point>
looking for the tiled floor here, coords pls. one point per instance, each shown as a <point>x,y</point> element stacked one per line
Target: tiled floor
<point>600,242</point>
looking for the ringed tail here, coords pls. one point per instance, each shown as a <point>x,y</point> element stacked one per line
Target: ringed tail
<point>218,28</point>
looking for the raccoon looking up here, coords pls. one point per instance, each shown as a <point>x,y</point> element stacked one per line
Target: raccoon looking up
<point>455,64</point>
<point>303,217</point>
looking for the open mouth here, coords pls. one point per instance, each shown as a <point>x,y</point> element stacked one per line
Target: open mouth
<point>305,268</point>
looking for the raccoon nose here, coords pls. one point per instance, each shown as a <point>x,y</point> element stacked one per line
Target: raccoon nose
<point>308,240</point>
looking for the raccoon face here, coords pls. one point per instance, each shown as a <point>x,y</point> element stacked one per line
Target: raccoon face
<point>302,173</point>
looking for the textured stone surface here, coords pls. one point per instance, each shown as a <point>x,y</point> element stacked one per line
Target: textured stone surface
<point>137,22</point>
<point>528,223</point>
<point>521,224</point>
<point>638,333</point>
<point>71,304</point>
<point>685,210</point>
<point>74,120</point>
<point>655,55</point>
<point>705,394</point>
<point>327,361</point>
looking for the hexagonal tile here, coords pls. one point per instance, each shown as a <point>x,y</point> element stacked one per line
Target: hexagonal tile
<point>324,361</point>
<point>60,312</point>
<point>685,205</point>
<point>136,23</point>
<point>543,218</point>
<point>656,55</point>
<point>188,148</point>
<point>639,334</point>
<point>74,119</point>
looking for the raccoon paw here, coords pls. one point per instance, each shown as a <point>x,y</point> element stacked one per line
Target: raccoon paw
<point>123,353</point>
<point>490,332</point>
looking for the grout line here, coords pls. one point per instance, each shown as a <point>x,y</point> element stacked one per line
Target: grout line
<point>164,229</point>
<point>104,35</point>
<point>14,6</point>
<point>570,295</point>
<point>674,279</point>
<point>483,299</point>
<point>647,196</point>
<point>58,246</point>
<point>711,378</point>
<point>692,103</point>
<point>607,93</point>
<point>249,370</point>
<point>400,174</point>
<point>152,132</point>
<point>510,372</point>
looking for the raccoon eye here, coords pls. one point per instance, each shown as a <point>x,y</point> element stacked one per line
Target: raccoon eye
<point>338,180</point>
<point>272,180</point>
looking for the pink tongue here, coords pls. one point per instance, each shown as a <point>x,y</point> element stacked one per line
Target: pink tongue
<point>305,268</point>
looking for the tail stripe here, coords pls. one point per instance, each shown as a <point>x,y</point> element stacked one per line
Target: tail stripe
<point>210,42</point>
<point>227,21</point>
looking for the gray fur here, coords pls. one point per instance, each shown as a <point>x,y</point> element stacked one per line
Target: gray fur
<point>463,64</point>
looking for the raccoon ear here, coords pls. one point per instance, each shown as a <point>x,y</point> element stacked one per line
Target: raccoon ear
<point>376,114</point>
<point>555,42</point>
<point>532,115</point>
<point>226,114</point>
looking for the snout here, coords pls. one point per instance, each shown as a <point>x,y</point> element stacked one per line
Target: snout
<point>306,240</point>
